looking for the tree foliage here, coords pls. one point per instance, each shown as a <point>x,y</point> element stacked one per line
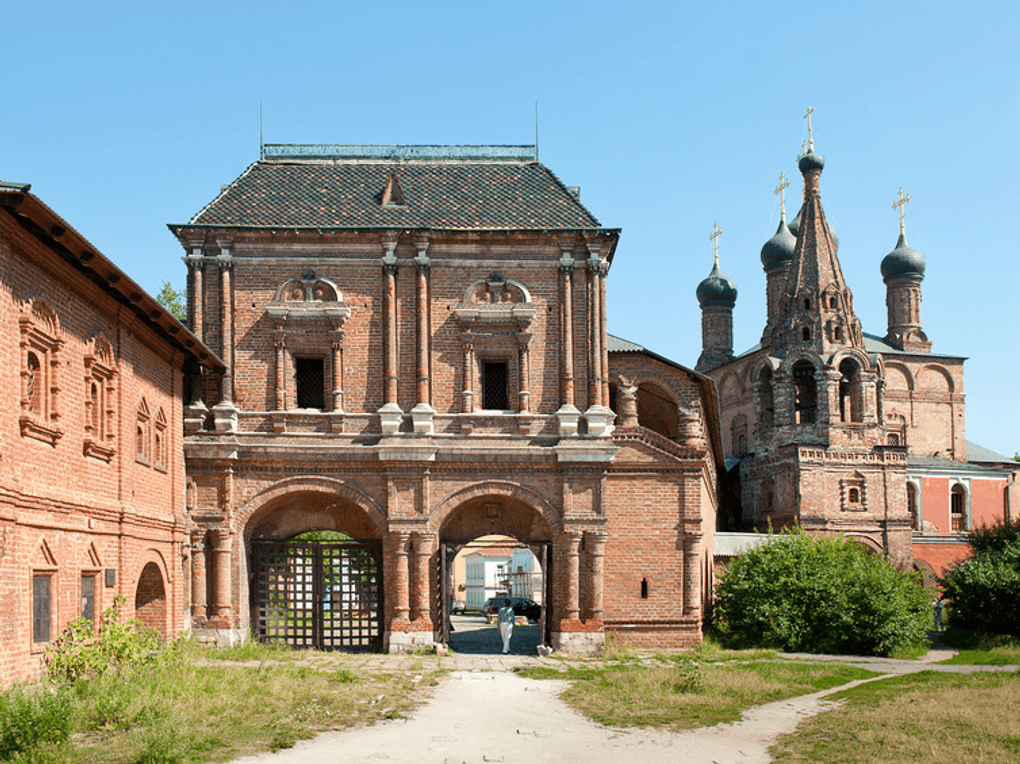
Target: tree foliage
<point>820,595</point>
<point>984,590</point>
<point>174,301</point>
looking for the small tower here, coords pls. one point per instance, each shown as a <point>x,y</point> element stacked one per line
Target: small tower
<point>717,295</point>
<point>776,256</point>
<point>903,272</point>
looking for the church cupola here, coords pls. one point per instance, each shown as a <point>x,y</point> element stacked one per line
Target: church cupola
<point>815,308</point>
<point>776,256</point>
<point>903,271</point>
<point>716,295</point>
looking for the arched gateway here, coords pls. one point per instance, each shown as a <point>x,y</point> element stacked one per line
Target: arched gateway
<point>315,569</point>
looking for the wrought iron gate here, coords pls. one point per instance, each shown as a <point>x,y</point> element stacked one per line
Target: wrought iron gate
<point>323,595</point>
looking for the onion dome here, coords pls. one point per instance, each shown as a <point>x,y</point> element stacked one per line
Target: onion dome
<point>811,161</point>
<point>903,261</point>
<point>795,229</point>
<point>779,249</point>
<point>717,290</point>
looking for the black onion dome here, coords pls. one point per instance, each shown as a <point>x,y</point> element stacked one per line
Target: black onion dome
<point>717,290</point>
<point>903,261</point>
<point>779,249</point>
<point>795,229</point>
<point>811,161</point>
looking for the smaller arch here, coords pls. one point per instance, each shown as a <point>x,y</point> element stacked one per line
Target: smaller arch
<point>501,488</point>
<point>801,354</point>
<point>870,545</point>
<point>496,290</point>
<point>933,371</point>
<point>805,392</point>
<point>309,288</point>
<point>958,496</point>
<point>662,383</point>
<point>150,598</point>
<point>895,373</point>
<point>730,385</point>
<point>851,391</point>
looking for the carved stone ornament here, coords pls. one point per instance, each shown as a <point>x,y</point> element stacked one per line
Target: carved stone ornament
<point>309,298</point>
<point>496,300</point>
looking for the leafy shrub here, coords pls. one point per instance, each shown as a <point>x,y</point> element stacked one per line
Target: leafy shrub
<point>984,590</point>
<point>82,652</point>
<point>31,718</point>
<point>819,595</point>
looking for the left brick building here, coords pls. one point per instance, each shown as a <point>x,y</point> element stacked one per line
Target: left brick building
<point>92,500</point>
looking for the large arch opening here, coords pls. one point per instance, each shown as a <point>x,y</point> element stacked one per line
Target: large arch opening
<point>315,573</point>
<point>492,548</point>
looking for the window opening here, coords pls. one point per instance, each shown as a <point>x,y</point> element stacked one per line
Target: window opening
<point>495,385</point>
<point>32,383</point>
<point>806,403</point>
<point>88,597</point>
<point>850,395</point>
<point>805,334</point>
<point>807,304</point>
<point>957,506</point>
<point>41,608</point>
<point>832,302</point>
<point>912,506</point>
<point>644,588</point>
<point>855,496</point>
<point>768,405</point>
<point>310,383</point>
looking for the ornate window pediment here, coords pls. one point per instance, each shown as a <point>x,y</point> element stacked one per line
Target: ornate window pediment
<point>309,298</point>
<point>100,395</point>
<point>852,490</point>
<point>40,364</point>
<point>496,300</point>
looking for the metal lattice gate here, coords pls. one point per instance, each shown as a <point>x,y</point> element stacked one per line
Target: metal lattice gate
<point>322,595</point>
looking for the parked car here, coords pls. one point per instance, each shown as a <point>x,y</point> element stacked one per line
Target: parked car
<point>457,607</point>
<point>521,605</point>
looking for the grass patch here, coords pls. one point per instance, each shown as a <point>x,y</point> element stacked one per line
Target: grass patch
<point>979,648</point>
<point>929,716</point>
<point>201,707</point>
<point>997,656</point>
<point>664,695</point>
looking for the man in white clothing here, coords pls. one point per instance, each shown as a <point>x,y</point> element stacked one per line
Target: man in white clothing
<point>505,619</point>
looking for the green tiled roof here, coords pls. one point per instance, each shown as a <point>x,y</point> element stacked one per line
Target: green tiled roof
<point>460,195</point>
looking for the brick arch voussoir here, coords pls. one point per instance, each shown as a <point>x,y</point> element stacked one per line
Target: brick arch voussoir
<point>156,557</point>
<point>268,496</point>
<point>765,362</point>
<point>867,542</point>
<point>854,354</point>
<point>504,488</point>
<point>662,383</point>
<point>802,355</point>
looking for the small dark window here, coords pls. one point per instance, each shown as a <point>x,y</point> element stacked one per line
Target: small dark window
<point>805,389</point>
<point>88,597</point>
<point>832,302</point>
<point>32,383</point>
<point>912,505</point>
<point>644,588</point>
<point>855,496</point>
<point>958,508</point>
<point>495,385</point>
<point>310,383</point>
<point>805,334</point>
<point>807,304</point>
<point>41,608</point>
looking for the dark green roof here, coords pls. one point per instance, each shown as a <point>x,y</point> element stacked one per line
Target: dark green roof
<point>463,194</point>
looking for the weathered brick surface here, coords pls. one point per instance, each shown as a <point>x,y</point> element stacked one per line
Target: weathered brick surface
<point>64,512</point>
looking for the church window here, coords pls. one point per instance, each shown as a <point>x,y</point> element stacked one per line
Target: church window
<point>495,385</point>
<point>88,596</point>
<point>807,304</point>
<point>42,604</point>
<point>805,334</point>
<point>741,444</point>
<point>40,365</point>
<point>850,392</point>
<point>893,439</point>
<point>806,392</point>
<point>854,496</point>
<point>310,383</point>
<point>738,435</point>
<point>958,507</point>
<point>853,493</point>
<point>833,303</point>
<point>912,506</point>
<point>644,588</point>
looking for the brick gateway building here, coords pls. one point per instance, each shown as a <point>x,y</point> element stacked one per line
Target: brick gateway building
<point>416,355</point>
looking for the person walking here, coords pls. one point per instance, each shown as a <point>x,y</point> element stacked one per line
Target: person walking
<point>505,619</point>
<point>936,605</point>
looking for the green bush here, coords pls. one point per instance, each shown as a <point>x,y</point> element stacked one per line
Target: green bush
<point>817,594</point>
<point>82,652</point>
<point>984,590</point>
<point>32,718</point>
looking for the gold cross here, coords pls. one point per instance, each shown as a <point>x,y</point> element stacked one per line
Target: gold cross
<point>784,183</point>
<point>716,231</point>
<point>803,150</point>
<point>810,141</point>
<point>904,198</point>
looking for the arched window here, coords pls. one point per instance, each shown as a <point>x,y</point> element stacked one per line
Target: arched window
<point>32,382</point>
<point>806,392</point>
<point>912,506</point>
<point>958,507</point>
<point>766,399</point>
<point>850,393</point>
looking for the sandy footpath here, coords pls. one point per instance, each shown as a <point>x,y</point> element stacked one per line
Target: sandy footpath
<point>501,717</point>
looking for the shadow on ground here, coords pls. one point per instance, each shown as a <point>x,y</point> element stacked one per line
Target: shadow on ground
<point>471,635</point>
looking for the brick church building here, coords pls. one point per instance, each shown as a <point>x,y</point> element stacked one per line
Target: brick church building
<point>838,430</point>
<point>416,356</point>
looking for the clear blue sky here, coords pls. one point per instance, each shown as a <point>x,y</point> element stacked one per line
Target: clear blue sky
<point>670,116</point>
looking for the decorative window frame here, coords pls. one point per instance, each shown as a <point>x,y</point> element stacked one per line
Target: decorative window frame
<point>160,447</point>
<point>847,486</point>
<point>143,434</point>
<point>100,394</point>
<point>40,398</point>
